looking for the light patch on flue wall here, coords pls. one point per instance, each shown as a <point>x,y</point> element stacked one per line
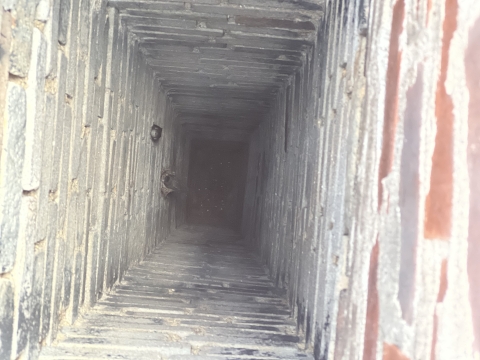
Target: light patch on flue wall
<point>386,57</point>
<point>402,215</point>
<point>438,204</point>
<point>455,325</point>
<point>398,248</point>
<point>437,261</point>
<point>429,253</point>
<point>444,262</point>
<point>472,67</point>
<point>363,310</point>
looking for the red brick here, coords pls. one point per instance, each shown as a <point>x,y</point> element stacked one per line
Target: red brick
<point>438,205</point>
<point>371,325</point>
<point>392,352</point>
<point>441,296</point>
<point>391,96</point>
<point>443,281</point>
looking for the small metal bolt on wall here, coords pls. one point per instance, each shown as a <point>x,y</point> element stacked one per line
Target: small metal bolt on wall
<point>156,133</point>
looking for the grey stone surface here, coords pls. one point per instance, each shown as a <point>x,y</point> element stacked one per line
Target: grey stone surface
<point>13,153</point>
<point>6,318</point>
<point>84,26</point>
<point>9,4</point>
<point>101,67</point>
<point>42,12</point>
<point>48,277</point>
<point>56,302</point>
<point>72,48</point>
<point>32,166</point>
<point>81,216</point>
<point>64,20</point>
<point>25,262</point>
<point>47,164</point>
<point>70,242</point>
<point>21,47</point>
<point>36,305</point>
<point>58,122</point>
<point>78,126</point>
<point>63,181</point>
<point>90,54</point>
<point>91,269</point>
<point>202,308</point>
<point>77,286</point>
<point>51,33</point>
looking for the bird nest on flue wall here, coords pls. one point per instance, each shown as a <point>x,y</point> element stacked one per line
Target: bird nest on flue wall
<point>168,183</point>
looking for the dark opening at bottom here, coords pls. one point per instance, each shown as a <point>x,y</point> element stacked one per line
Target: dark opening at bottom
<point>216,183</point>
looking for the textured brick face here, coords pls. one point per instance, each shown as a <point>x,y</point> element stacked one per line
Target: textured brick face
<point>438,207</point>
<point>371,327</point>
<point>342,326</point>
<point>391,96</point>
<point>440,297</point>
<point>6,318</point>
<point>392,352</point>
<point>12,165</point>
<point>443,281</point>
